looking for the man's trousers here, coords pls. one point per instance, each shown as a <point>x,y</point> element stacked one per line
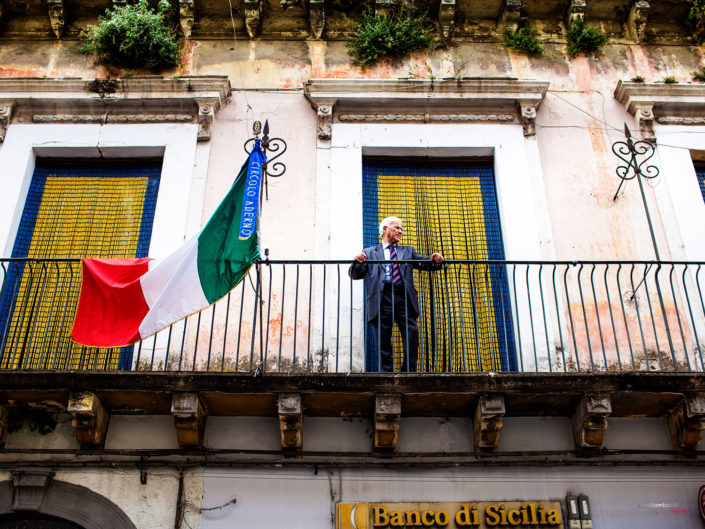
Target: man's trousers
<point>395,308</point>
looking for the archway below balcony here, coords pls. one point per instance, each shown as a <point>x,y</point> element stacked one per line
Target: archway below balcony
<point>33,496</point>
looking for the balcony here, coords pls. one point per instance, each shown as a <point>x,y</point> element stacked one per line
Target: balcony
<point>584,340</point>
<point>294,317</point>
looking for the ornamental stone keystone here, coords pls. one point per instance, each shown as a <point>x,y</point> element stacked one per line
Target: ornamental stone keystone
<point>29,488</point>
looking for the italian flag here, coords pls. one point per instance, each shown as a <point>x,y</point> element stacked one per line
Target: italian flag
<point>125,300</point>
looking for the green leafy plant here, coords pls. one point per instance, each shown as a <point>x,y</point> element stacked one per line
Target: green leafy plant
<point>670,80</point>
<point>584,40</point>
<point>378,37</point>
<point>637,79</point>
<point>699,76</point>
<point>524,40</point>
<point>697,7</point>
<point>135,36</point>
<point>37,419</point>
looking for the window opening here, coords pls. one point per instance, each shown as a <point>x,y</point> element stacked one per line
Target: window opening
<point>465,321</point>
<point>86,209</point>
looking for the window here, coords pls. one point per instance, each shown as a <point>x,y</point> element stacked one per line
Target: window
<point>72,210</point>
<point>465,321</point>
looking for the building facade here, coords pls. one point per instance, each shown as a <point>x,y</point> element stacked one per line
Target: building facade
<point>559,381</point>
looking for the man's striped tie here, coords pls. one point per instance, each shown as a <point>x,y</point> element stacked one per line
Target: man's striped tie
<point>396,274</point>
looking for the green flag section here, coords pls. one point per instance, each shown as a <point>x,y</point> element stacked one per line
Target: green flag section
<point>125,300</point>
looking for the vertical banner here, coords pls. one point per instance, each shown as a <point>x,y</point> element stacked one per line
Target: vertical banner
<point>250,204</point>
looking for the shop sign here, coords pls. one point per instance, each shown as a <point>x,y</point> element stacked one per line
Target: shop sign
<point>456,515</point>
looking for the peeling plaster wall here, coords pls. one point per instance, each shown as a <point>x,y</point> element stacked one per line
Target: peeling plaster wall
<point>151,505</point>
<point>576,125</point>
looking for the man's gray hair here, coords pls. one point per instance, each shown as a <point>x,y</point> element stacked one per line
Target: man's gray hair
<point>385,223</point>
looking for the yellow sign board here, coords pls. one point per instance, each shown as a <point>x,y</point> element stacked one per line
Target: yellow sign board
<point>458,515</point>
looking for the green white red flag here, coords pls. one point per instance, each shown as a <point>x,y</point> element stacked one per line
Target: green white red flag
<point>125,300</point>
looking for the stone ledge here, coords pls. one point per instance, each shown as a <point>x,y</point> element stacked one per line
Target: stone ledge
<point>469,99</point>
<point>229,394</point>
<point>146,99</point>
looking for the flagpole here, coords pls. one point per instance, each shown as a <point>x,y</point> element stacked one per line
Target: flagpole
<point>276,146</point>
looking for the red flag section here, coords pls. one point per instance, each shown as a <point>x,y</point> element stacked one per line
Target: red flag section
<point>112,306</point>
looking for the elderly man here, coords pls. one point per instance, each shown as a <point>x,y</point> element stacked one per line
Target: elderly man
<point>391,294</point>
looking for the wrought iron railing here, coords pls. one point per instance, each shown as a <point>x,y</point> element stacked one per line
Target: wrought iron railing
<point>309,316</point>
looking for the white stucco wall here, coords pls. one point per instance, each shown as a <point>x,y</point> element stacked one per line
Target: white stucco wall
<point>620,497</point>
<point>175,143</point>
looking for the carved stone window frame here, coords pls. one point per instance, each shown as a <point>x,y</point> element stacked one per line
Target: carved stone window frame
<point>674,104</point>
<point>677,112</point>
<point>467,100</point>
<point>79,119</point>
<point>144,99</point>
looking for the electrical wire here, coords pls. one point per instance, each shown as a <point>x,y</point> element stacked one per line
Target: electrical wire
<point>249,109</point>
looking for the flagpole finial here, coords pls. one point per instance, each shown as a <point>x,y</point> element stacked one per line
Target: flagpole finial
<point>272,148</point>
<point>627,132</point>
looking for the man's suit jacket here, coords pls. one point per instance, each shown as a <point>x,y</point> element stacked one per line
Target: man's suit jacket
<point>375,274</point>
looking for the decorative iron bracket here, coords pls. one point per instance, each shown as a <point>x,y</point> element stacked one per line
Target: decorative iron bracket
<point>269,145</point>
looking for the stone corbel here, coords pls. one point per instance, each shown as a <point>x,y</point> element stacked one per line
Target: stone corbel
<point>575,11</point>
<point>383,7</point>
<point>528,120</point>
<point>590,421</point>
<point>446,17</point>
<point>686,422</point>
<point>291,420</point>
<point>317,17</point>
<point>56,16</point>
<point>325,122</point>
<point>186,17</point>
<point>89,419</point>
<point>638,17</point>
<point>206,116</point>
<point>253,16</point>
<point>29,488</point>
<point>487,422</point>
<point>387,418</point>
<point>645,119</point>
<point>119,3</point>
<point>5,115</point>
<point>189,419</point>
<point>511,14</point>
